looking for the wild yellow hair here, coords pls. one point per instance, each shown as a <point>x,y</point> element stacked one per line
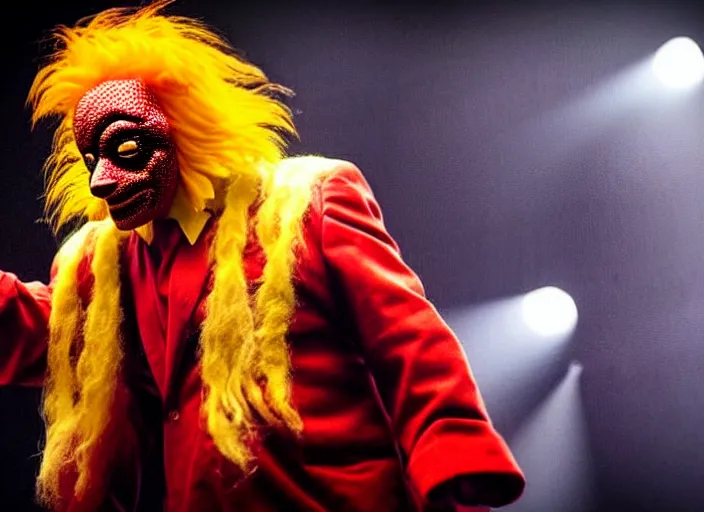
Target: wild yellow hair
<point>227,128</point>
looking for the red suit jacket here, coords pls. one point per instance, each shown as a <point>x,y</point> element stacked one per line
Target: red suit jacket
<point>389,406</point>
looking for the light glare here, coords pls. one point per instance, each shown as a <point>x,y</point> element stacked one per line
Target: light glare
<point>549,311</point>
<point>679,63</point>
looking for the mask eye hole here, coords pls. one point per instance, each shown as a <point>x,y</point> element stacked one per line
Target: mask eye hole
<point>127,149</point>
<point>89,160</point>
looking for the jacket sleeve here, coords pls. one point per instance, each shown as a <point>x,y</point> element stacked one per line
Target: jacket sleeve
<point>418,364</point>
<point>24,320</point>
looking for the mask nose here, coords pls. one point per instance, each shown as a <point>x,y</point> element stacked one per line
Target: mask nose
<point>102,185</point>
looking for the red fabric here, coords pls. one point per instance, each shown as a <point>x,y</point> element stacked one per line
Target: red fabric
<point>389,405</point>
<point>24,316</point>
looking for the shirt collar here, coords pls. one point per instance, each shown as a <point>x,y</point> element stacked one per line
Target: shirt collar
<point>190,221</point>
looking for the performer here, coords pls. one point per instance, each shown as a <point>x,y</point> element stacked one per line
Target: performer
<point>229,329</point>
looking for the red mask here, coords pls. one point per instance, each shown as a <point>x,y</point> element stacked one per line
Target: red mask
<point>125,140</point>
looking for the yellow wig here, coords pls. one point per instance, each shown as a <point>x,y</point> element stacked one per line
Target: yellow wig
<point>230,134</point>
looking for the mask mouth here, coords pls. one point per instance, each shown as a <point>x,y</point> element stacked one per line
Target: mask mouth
<point>125,196</point>
<point>122,208</point>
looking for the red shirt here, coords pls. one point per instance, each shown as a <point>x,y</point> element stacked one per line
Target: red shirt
<point>389,406</point>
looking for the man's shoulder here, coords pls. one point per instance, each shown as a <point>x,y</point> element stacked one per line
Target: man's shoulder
<point>318,177</point>
<point>311,170</point>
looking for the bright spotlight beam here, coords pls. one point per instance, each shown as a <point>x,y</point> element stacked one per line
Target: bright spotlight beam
<point>553,449</point>
<point>679,63</point>
<point>549,311</point>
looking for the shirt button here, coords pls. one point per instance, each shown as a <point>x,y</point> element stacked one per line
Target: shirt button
<point>174,416</point>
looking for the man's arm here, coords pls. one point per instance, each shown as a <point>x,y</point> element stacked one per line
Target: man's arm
<point>25,309</point>
<point>24,320</point>
<point>418,364</point>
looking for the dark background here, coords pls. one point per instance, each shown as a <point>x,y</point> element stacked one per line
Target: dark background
<point>512,146</point>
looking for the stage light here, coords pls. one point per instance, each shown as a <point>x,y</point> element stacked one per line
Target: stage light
<point>575,369</point>
<point>679,63</point>
<point>549,311</point>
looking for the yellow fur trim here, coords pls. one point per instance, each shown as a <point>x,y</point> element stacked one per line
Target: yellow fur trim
<point>245,360</point>
<point>83,363</point>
